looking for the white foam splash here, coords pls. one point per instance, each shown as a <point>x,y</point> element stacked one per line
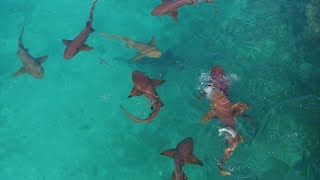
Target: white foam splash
<point>208,90</point>
<point>229,131</point>
<point>232,78</point>
<point>204,79</point>
<point>106,98</point>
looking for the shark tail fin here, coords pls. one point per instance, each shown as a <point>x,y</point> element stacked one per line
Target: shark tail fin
<point>20,37</point>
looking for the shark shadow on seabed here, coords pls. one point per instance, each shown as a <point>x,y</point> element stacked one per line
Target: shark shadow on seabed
<point>158,66</point>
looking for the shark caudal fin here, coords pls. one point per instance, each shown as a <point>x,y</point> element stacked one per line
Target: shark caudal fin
<point>170,153</point>
<point>156,82</point>
<point>174,15</point>
<point>20,37</point>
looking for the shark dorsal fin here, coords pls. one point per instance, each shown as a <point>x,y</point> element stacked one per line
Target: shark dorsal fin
<point>192,159</point>
<point>41,59</point>
<point>156,82</point>
<point>135,92</point>
<point>153,41</point>
<point>170,153</point>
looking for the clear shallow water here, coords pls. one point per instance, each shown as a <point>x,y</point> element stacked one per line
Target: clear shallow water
<point>69,125</point>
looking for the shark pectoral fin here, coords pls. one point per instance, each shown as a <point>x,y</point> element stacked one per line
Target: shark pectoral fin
<point>85,47</point>
<point>170,153</point>
<point>174,15</point>
<point>66,42</point>
<point>137,57</point>
<point>194,160</point>
<point>135,92</point>
<point>153,41</point>
<point>156,82</point>
<point>20,72</point>
<point>41,59</point>
<point>210,115</point>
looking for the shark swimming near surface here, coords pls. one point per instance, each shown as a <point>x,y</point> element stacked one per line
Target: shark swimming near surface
<point>78,43</point>
<point>170,7</point>
<point>30,65</point>
<point>144,49</point>
<point>182,155</point>
<point>143,85</point>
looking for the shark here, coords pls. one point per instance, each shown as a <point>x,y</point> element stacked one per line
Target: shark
<point>30,65</point>
<point>78,43</point>
<point>182,155</point>
<point>144,49</point>
<point>226,111</point>
<point>170,7</point>
<point>143,85</point>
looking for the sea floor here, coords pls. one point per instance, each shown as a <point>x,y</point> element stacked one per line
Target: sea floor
<point>69,125</point>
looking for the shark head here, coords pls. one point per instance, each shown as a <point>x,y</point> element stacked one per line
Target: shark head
<point>36,72</point>
<point>155,53</point>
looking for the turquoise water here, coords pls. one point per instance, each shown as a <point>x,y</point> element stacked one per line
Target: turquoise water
<point>69,125</point>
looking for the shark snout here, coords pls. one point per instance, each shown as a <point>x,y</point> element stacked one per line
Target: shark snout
<point>159,11</point>
<point>155,54</point>
<point>38,74</point>
<point>67,56</point>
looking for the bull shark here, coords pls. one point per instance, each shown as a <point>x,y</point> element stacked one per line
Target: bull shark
<point>170,7</point>
<point>30,65</point>
<point>78,44</point>
<point>182,155</point>
<point>143,85</point>
<point>144,49</point>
